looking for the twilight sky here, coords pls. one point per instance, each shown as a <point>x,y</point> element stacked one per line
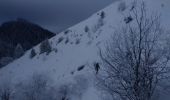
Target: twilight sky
<point>54,15</point>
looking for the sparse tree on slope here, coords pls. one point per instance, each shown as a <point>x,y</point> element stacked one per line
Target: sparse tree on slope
<point>134,62</point>
<point>33,53</point>
<point>102,15</point>
<point>19,51</point>
<point>45,47</point>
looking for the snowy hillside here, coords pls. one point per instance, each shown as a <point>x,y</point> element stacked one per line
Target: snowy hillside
<point>75,50</point>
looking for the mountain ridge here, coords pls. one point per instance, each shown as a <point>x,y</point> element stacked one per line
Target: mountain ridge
<point>20,32</point>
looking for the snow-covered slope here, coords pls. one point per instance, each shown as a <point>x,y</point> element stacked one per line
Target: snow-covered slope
<point>79,48</point>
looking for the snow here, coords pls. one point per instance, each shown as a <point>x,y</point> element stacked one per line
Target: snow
<point>91,94</point>
<point>59,65</point>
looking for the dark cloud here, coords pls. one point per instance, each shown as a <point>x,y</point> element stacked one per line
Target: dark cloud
<point>52,14</point>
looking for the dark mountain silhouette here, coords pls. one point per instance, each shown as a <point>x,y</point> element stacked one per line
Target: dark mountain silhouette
<point>20,32</point>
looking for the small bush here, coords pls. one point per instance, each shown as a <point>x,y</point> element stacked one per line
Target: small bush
<point>128,19</point>
<point>86,29</point>
<point>60,39</point>
<point>67,31</point>
<point>32,54</point>
<point>80,68</point>
<point>100,23</point>
<point>45,47</point>
<point>67,40</point>
<point>72,72</point>
<point>102,15</point>
<point>77,41</point>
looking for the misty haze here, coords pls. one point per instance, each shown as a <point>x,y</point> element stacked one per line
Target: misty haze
<point>84,49</point>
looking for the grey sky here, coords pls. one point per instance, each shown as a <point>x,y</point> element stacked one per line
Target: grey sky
<point>54,15</point>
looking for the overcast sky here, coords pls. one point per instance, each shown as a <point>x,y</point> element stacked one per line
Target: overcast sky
<point>54,15</point>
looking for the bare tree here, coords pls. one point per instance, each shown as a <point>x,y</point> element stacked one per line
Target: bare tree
<point>5,93</point>
<point>36,89</point>
<point>134,61</point>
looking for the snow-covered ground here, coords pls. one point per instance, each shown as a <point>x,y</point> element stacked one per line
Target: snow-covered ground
<point>80,49</point>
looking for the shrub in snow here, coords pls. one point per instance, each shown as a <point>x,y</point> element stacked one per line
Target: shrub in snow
<point>86,29</point>
<point>77,41</point>
<point>19,51</point>
<point>60,39</point>
<point>37,88</point>
<point>80,68</point>
<point>67,31</point>
<point>128,19</point>
<point>100,22</point>
<point>45,47</point>
<point>33,53</point>
<point>72,72</point>
<point>67,40</point>
<point>98,25</point>
<point>102,15</point>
